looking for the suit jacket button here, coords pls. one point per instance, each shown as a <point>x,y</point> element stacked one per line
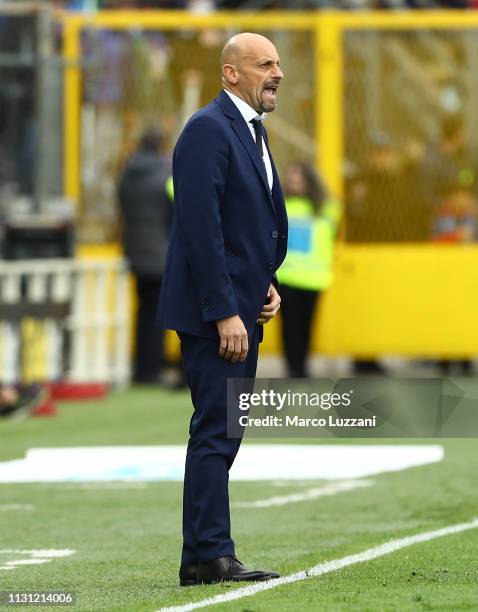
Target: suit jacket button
<point>270,266</point>
<point>274,234</point>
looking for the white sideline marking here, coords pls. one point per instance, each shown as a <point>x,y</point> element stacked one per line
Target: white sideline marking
<point>104,486</point>
<point>329,489</point>
<point>254,462</point>
<point>326,567</point>
<point>25,507</point>
<point>36,557</point>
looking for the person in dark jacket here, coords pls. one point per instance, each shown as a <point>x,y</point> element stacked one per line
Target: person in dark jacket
<point>147,215</point>
<point>19,401</point>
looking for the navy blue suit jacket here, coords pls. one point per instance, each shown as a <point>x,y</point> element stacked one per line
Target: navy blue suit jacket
<point>229,232</point>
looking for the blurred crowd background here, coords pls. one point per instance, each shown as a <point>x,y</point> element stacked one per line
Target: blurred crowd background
<point>93,96</point>
<point>205,5</point>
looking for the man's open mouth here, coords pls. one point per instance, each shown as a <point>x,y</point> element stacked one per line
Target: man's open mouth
<point>270,90</point>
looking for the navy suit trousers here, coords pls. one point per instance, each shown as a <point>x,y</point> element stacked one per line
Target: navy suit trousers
<point>210,454</point>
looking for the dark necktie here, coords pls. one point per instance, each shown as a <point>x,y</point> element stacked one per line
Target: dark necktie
<point>257,123</point>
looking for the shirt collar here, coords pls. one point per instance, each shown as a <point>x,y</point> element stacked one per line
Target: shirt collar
<point>246,111</point>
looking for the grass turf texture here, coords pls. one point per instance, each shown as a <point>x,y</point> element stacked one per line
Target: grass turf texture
<point>127,542</point>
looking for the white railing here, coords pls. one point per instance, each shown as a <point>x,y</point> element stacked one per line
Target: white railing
<point>64,319</point>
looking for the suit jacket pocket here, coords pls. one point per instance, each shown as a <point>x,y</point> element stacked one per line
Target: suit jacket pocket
<point>233,263</point>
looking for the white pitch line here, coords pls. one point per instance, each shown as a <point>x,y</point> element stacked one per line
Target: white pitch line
<point>328,489</point>
<point>326,567</point>
<point>14,563</point>
<point>39,552</point>
<point>37,556</point>
<point>21,507</point>
<point>104,486</point>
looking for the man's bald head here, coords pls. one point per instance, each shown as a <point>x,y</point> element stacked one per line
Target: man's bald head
<point>250,69</point>
<point>230,52</point>
<point>241,44</point>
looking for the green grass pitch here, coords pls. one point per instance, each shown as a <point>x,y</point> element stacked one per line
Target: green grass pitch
<point>127,541</point>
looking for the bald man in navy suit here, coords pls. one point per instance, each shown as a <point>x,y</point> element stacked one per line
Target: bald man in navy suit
<point>228,238</point>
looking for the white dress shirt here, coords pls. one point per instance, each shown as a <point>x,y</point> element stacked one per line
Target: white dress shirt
<point>249,113</point>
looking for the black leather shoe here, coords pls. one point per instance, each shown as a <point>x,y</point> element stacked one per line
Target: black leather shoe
<point>188,575</point>
<point>230,569</point>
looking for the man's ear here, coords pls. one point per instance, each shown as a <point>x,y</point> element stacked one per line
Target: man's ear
<point>230,74</point>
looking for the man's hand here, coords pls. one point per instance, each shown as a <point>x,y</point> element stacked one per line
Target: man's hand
<point>234,342</point>
<point>271,308</point>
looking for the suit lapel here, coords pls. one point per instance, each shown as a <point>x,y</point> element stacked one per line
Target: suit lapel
<point>244,134</point>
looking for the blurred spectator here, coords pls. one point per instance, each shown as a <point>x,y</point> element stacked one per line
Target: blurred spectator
<point>445,165</point>
<point>456,218</point>
<point>146,212</point>
<point>307,270</point>
<point>17,401</point>
<point>442,162</point>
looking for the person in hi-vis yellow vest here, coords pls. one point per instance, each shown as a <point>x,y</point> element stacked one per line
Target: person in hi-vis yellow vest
<point>307,270</point>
